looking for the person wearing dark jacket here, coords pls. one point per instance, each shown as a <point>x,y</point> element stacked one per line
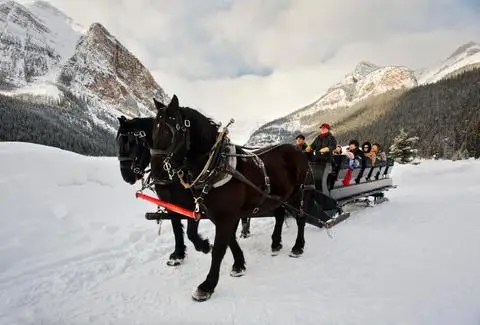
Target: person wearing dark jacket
<point>302,145</point>
<point>300,142</point>
<point>323,145</point>
<point>353,147</point>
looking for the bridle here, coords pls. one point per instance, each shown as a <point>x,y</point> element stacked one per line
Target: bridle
<point>134,156</point>
<point>179,144</point>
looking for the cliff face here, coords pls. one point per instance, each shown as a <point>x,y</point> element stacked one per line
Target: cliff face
<point>105,73</point>
<point>27,47</point>
<point>45,57</point>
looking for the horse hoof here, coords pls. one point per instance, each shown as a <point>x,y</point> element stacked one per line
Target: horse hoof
<point>276,249</point>
<point>208,249</point>
<point>296,253</point>
<point>205,249</point>
<point>237,272</point>
<point>175,261</point>
<point>200,295</point>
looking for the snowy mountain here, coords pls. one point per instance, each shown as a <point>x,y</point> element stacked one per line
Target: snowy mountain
<point>33,41</point>
<point>466,57</point>
<point>365,81</point>
<point>43,52</point>
<point>110,78</point>
<point>76,249</point>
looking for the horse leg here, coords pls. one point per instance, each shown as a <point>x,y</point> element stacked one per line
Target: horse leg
<point>245,228</point>
<point>277,230</point>
<point>224,228</point>
<point>297,249</point>
<point>201,245</point>
<point>178,256</point>
<point>305,199</point>
<point>238,268</point>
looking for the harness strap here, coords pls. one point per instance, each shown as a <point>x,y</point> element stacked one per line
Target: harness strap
<point>205,173</point>
<point>310,187</point>
<point>239,176</point>
<point>265,150</point>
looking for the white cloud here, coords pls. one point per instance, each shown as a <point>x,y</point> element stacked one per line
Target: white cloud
<point>201,50</point>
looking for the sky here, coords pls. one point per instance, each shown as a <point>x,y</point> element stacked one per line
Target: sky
<point>256,60</point>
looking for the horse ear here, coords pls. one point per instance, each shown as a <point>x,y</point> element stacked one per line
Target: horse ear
<point>174,104</point>
<point>159,105</point>
<point>122,119</point>
<point>172,107</point>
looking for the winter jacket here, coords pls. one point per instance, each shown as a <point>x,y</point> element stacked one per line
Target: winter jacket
<point>381,156</point>
<point>359,156</point>
<point>322,141</point>
<point>302,147</point>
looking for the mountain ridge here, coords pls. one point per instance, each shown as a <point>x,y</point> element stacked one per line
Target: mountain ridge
<point>366,80</point>
<point>65,57</point>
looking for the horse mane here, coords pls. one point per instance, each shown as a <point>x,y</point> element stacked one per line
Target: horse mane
<point>141,123</point>
<point>137,124</point>
<point>204,130</point>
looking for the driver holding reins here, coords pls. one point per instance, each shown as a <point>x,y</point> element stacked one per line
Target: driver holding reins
<point>323,145</point>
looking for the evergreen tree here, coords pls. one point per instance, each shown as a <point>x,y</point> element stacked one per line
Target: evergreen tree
<point>402,149</point>
<point>66,128</point>
<point>444,115</point>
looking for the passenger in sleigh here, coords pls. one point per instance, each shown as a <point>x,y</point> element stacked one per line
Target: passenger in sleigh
<point>323,146</point>
<point>374,154</point>
<point>367,151</point>
<point>380,158</point>
<point>356,159</point>
<point>302,145</point>
<point>300,142</point>
<point>321,153</point>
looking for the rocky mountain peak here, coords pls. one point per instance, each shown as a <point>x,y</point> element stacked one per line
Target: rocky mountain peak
<point>26,49</point>
<point>97,29</point>
<point>13,13</point>
<point>464,58</point>
<point>364,68</point>
<point>103,70</point>
<point>469,49</point>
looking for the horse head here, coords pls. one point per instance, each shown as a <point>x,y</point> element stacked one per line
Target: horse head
<point>133,141</point>
<point>180,135</point>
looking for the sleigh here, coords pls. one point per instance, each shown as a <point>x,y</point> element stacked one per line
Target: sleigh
<point>367,186</point>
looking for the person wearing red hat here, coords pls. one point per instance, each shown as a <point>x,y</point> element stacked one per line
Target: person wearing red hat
<point>323,145</point>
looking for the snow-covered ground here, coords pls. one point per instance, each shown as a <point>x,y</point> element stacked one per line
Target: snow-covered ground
<point>76,249</point>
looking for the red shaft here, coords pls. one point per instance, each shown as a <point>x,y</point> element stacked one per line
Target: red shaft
<point>166,205</point>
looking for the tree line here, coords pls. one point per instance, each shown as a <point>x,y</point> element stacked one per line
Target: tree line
<point>69,129</point>
<point>445,117</point>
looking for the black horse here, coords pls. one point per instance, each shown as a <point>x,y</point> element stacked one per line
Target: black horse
<point>134,139</point>
<point>191,145</point>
